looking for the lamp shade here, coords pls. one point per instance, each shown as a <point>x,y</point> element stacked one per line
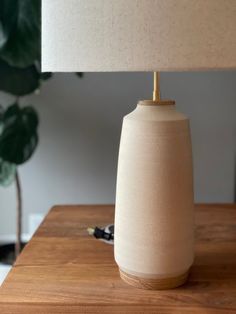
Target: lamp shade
<point>138,35</point>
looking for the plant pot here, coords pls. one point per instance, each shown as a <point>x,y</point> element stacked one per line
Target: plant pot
<point>7,253</point>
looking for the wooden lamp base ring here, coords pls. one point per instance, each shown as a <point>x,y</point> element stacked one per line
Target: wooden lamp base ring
<point>154,284</point>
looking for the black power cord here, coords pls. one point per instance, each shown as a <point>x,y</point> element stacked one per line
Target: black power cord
<point>100,233</point>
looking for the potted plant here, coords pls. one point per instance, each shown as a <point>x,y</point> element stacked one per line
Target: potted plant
<point>19,75</point>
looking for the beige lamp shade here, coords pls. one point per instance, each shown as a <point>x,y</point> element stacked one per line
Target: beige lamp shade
<point>138,35</point>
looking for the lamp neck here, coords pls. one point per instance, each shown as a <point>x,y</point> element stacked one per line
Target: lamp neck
<point>156,87</point>
<point>157,101</point>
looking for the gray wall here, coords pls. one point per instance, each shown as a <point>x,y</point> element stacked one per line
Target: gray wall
<point>80,130</point>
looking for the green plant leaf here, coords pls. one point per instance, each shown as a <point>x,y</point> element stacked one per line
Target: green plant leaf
<point>20,30</point>
<point>80,74</point>
<point>17,81</point>
<point>1,113</point>
<point>19,137</point>
<point>30,118</point>
<point>7,173</point>
<point>45,76</point>
<point>7,19</point>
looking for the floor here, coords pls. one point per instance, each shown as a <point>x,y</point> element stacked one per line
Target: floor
<point>4,269</point>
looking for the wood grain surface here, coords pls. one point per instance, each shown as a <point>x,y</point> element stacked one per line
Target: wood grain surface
<point>63,270</point>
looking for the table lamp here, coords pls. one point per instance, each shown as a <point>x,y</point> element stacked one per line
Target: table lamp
<point>154,242</point>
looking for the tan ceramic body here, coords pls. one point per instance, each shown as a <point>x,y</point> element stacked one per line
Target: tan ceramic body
<point>154,198</point>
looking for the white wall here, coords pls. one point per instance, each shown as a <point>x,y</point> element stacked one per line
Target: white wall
<point>80,129</point>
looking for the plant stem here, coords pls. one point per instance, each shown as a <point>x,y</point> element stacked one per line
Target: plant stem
<point>18,215</point>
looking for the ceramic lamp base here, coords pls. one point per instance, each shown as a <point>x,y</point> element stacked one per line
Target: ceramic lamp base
<point>154,243</point>
<point>154,284</point>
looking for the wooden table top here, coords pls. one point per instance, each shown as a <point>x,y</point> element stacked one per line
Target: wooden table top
<point>63,270</point>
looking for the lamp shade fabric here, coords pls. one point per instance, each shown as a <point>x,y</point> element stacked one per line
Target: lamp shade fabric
<point>138,35</point>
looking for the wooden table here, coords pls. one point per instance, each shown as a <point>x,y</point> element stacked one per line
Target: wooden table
<point>63,270</point>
